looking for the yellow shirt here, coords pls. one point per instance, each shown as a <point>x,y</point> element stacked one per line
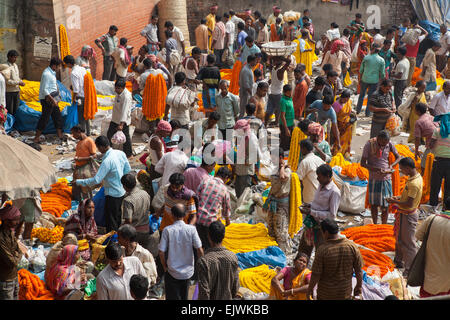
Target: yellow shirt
<point>211,24</point>
<point>413,189</point>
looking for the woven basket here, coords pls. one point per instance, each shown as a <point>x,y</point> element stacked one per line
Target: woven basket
<point>279,48</point>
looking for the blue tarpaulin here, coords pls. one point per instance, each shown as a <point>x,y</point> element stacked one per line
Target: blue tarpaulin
<point>99,202</point>
<point>272,256</point>
<point>26,118</point>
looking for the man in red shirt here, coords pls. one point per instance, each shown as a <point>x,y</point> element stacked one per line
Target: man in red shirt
<point>411,52</point>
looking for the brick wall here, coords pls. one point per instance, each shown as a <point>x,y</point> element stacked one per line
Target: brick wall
<point>323,13</point>
<point>95,18</point>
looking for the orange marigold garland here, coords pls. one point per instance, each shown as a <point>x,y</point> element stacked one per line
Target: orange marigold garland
<point>154,99</point>
<point>32,288</point>
<point>354,170</point>
<point>374,261</point>
<point>90,98</point>
<point>58,200</point>
<point>234,83</point>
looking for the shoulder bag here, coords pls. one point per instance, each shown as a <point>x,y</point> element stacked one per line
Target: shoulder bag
<point>417,270</point>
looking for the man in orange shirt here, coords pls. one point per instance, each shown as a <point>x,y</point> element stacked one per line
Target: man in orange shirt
<point>201,36</point>
<point>85,166</point>
<point>301,90</point>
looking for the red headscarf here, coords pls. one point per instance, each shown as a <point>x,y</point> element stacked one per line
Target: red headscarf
<point>9,212</point>
<point>335,45</point>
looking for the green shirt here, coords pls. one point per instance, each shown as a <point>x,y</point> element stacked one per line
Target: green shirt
<point>287,106</point>
<point>372,68</point>
<point>442,147</point>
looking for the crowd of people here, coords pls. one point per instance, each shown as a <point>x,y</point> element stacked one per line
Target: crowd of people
<point>191,192</point>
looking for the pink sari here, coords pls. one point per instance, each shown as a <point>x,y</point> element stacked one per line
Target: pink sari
<point>63,272</point>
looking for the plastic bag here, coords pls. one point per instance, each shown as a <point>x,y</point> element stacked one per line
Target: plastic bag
<point>91,287</point>
<point>393,125</point>
<point>353,198</point>
<point>118,138</point>
<point>396,284</point>
<point>23,264</point>
<point>38,260</point>
<point>354,57</point>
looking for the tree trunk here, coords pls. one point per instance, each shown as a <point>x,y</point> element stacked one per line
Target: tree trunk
<point>175,11</point>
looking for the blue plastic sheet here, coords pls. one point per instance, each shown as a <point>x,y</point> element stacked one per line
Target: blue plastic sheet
<point>432,28</point>
<point>99,202</point>
<point>26,118</point>
<point>9,122</point>
<point>272,256</point>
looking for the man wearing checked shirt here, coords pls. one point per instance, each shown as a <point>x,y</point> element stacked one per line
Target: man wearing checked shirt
<point>114,166</point>
<point>213,202</point>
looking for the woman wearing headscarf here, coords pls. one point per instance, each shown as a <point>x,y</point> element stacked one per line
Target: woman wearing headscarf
<point>86,54</point>
<point>64,276</point>
<point>10,253</point>
<point>295,280</point>
<point>336,57</point>
<point>343,109</point>
<point>82,223</point>
<point>363,51</point>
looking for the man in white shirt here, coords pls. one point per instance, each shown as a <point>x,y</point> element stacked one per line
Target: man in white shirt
<point>150,32</point>
<point>230,29</point>
<point>177,241</point>
<point>263,34</point>
<point>170,163</point>
<point>306,170</point>
<point>77,79</point>
<point>177,35</point>
<point>13,82</point>
<point>127,238</point>
<point>121,59</point>
<point>113,282</point>
<point>440,104</point>
<point>400,75</point>
<point>180,101</point>
<point>429,67</point>
<point>121,115</point>
<point>325,205</point>
<point>441,54</point>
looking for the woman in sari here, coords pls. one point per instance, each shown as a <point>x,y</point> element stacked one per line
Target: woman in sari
<point>363,51</point>
<point>276,31</point>
<point>343,108</point>
<point>413,99</point>
<point>64,276</point>
<point>83,225</point>
<point>295,281</point>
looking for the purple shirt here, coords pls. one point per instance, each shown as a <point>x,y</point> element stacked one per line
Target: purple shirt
<point>379,162</point>
<point>424,128</point>
<point>337,106</point>
<point>194,177</point>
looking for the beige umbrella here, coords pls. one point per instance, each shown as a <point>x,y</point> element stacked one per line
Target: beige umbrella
<point>24,172</point>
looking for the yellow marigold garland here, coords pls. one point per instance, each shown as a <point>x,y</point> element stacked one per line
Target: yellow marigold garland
<point>339,160</point>
<point>294,149</point>
<point>63,42</point>
<point>244,237</point>
<point>295,200</point>
<point>48,235</point>
<point>257,279</point>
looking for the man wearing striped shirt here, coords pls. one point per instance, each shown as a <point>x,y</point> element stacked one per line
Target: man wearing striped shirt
<point>334,264</point>
<point>213,202</point>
